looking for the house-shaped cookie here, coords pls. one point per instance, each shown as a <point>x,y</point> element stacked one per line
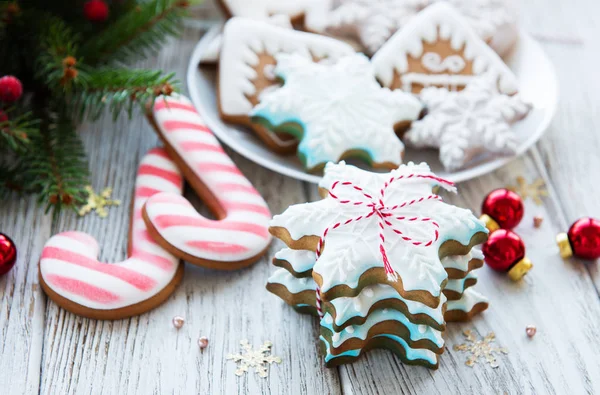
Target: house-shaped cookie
<point>439,48</point>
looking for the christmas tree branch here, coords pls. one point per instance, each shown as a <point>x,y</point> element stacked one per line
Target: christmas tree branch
<point>57,61</point>
<point>56,167</point>
<point>16,130</point>
<point>121,90</point>
<point>138,32</point>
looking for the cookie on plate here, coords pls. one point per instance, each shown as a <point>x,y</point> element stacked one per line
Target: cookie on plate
<point>246,69</point>
<point>438,48</point>
<point>373,22</point>
<point>337,110</point>
<point>468,123</point>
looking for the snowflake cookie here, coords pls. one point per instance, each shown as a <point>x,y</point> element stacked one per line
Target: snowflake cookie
<point>372,22</point>
<point>380,228</point>
<point>336,111</point>
<point>464,124</point>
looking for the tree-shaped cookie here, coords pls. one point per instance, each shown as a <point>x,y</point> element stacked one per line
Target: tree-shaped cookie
<point>337,111</point>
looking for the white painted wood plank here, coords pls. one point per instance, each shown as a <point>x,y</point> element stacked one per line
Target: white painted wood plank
<point>22,304</point>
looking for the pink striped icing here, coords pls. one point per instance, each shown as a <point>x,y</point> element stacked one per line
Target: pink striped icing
<point>69,263</point>
<point>242,233</point>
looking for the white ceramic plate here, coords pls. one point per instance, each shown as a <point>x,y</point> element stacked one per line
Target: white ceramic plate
<point>538,85</point>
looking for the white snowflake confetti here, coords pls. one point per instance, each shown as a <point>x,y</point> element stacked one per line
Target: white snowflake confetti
<point>466,123</point>
<point>258,359</point>
<point>339,107</point>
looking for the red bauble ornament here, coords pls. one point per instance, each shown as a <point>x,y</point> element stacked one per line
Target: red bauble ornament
<point>11,89</point>
<point>95,10</point>
<point>3,116</point>
<point>582,239</point>
<point>502,209</point>
<point>505,251</point>
<point>8,254</point>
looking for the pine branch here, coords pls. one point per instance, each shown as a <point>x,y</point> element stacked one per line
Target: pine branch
<point>56,166</point>
<point>57,59</point>
<point>16,130</point>
<point>137,33</point>
<point>121,90</point>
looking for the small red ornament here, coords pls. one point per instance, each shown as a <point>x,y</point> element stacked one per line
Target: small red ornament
<point>582,239</point>
<point>505,251</point>
<point>11,89</point>
<point>502,209</point>
<point>95,10</point>
<point>8,254</point>
<point>3,116</point>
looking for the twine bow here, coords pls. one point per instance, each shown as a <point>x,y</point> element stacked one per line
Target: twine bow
<point>388,218</point>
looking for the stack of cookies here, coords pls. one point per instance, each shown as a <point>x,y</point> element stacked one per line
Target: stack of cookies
<point>382,261</point>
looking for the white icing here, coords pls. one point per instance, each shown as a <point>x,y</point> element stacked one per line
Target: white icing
<point>370,21</point>
<point>466,303</point>
<point>340,107</point>
<point>433,61</point>
<point>244,39</point>
<point>466,123</point>
<point>416,332</point>
<point>458,285</point>
<point>300,260</point>
<point>461,262</point>
<point>263,9</point>
<point>439,21</point>
<point>69,263</point>
<point>373,22</point>
<point>293,284</point>
<point>352,249</point>
<point>412,354</point>
<point>213,49</point>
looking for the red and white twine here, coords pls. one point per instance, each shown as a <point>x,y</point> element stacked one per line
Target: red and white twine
<point>386,214</point>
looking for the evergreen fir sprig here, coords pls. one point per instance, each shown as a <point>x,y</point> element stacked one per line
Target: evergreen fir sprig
<point>120,91</point>
<point>137,33</point>
<point>56,167</point>
<point>16,130</point>
<point>57,59</point>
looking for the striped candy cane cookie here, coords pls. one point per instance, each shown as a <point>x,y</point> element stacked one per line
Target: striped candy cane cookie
<point>239,235</point>
<point>71,275</point>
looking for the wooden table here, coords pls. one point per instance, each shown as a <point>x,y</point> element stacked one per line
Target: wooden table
<point>44,349</point>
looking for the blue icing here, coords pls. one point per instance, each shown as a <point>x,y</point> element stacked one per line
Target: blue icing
<point>329,356</point>
<point>276,118</point>
<point>412,354</point>
<point>417,332</point>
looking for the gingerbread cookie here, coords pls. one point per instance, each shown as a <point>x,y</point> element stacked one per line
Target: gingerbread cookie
<point>248,58</point>
<point>212,52</point>
<point>495,21</point>
<point>470,304</point>
<point>337,111</point>
<point>347,223</point>
<point>263,9</point>
<point>468,123</point>
<point>239,236</point>
<point>371,22</point>
<point>438,48</point>
<point>72,277</point>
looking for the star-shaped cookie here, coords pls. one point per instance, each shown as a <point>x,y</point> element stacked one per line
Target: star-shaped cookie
<point>464,124</point>
<point>337,111</point>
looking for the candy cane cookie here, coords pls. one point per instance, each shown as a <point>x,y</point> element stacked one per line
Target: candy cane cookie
<point>239,235</point>
<point>71,275</point>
